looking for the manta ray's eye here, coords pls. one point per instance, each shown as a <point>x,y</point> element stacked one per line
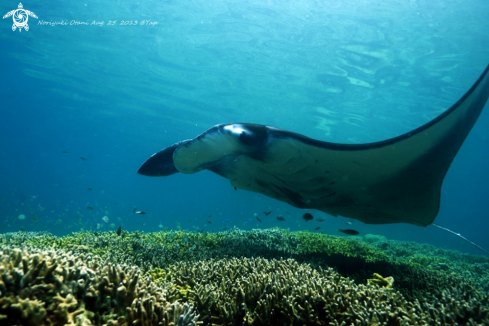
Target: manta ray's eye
<point>248,134</point>
<point>252,135</point>
<point>247,138</point>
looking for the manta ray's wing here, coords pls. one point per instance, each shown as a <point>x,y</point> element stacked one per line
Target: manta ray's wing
<point>391,181</point>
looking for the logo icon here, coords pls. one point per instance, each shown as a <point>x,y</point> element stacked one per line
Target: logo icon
<point>20,17</point>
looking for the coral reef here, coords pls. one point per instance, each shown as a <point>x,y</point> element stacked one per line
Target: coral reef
<point>226,278</point>
<point>437,261</point>
<point>373,238</point>
<point>416,273</point>
<point>59,288</point>
<point>284,292</point>
<point>331,245</point>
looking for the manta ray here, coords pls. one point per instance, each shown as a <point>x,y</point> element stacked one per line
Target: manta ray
<point>397,180</point>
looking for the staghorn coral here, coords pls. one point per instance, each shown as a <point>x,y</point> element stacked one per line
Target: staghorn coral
<point>278,292</point>
<point>331,245</point>
<point>387,282</point>
<point>26,311</point>
<point>420,271</point>
<point>60,288</point>
<point>57,287</point>
<point>373,238</point>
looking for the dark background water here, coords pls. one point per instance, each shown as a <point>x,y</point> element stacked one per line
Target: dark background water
<point>349,72</point>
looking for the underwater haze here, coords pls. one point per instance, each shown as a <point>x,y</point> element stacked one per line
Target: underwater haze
<point>93,88</point>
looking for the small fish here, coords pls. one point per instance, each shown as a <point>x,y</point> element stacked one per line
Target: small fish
<point>59,221</point>
<point>135,211</point>
<point>210,216</point>
<point>35,219</point>
<point>258,219</point>
<point>89,188</point>
<point>98,226</point>
<point>320,219</point>
<point>209,222</point>
<point>317,228</point>
<point>350,232</point>
<point>267,213</point>
<point>349,223</point>
<point>307,217</point>
<point>280,218</point>
<point>112,225</point>
<point>119,231</point>
<point>235,189</point>
<point>21,217</point>
<point>90,208</point>
<point>64,152</point>
<point>105,219</point>
<point>83,158</point>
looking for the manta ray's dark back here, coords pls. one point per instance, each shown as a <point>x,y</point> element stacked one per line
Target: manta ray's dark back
<point>391,181</point>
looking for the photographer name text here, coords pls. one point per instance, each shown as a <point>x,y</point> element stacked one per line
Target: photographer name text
<point>74,22</point>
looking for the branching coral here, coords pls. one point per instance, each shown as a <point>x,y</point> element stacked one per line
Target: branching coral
<point>331,245</point>
<point>387,282</point>
<point>59,288</point>
<point>278,292</point>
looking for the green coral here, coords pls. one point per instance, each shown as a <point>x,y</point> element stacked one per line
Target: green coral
<point>178,290</point>
<point>158,275</point>
<point>331,245</point>
<point>181,292</point>
<point>418,269</point>
<point>386,282</point>
<point>183,239</point>
<point>427,262</point>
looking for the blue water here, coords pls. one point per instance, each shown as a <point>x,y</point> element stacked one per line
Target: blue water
<point>339,71</point>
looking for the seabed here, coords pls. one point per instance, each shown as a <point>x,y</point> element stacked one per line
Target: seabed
<point>258,277</point>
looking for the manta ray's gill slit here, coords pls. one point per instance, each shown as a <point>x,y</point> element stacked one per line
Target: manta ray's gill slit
<point>293,196</point>
<point>279,179</point>
<point>274,194</point>
<point>329,195</point>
